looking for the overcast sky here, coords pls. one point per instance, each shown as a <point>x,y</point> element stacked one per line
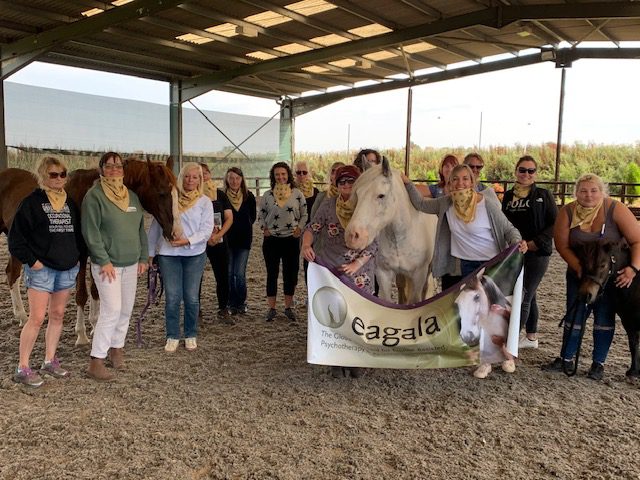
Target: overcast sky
<point>602,105</point>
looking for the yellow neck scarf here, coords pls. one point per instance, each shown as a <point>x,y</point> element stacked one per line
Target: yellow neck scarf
<point>115,191</point>
<point>57,198</point>
<point>211,190</point>
<point>583,217</point>
<point>306,188</point>
<point>344,210</point>
<point>521,191</point>
<point>235,198</point>
<point>282,192</point>
<point>464,204</point>
<point>332,192</point>
<point>188,199</point>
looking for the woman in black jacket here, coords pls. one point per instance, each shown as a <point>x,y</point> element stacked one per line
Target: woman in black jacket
<point>239,237</point>
<point>532,210</point>
<point>45,236</point>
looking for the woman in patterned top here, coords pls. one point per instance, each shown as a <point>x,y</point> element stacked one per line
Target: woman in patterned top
<point>326,233</point>
<point>282,216</point>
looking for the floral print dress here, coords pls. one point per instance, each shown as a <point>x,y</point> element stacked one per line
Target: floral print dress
<point>331,250</point>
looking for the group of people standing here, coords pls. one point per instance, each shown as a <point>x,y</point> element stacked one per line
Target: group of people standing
<point>216,223</point>
<point>48,237</point>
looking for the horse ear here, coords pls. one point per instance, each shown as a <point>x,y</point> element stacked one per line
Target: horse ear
<point>481,273</point>
<point>170,162</point>
<point>386,171</point>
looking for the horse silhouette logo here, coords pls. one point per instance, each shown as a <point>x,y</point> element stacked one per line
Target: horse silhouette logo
<point>329,307</point>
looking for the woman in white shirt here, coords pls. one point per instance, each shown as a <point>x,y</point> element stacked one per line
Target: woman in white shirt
<point>182,260</point>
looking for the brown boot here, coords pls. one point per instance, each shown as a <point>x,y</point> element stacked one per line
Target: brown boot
<point>116,355</point>
<point>98,371</point>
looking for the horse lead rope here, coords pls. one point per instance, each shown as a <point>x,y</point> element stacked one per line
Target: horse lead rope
<point>155,287</point>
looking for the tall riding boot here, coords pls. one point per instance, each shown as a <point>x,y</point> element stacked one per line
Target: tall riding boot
<point>116,355</point>
<point>98,371</point>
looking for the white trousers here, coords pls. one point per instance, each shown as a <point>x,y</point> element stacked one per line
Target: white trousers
<point>116,304</point>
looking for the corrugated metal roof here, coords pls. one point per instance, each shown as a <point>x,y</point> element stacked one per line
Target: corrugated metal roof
<point>279,47</point>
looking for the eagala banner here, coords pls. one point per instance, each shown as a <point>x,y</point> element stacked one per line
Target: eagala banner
<point>474,321</point>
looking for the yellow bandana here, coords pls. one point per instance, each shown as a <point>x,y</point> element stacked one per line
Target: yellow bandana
<point>332,192</point>
<point>464,204</point>
<point>235,198</point>
<point>211,190</point>
<point>186,200</point>
<point>521,191</point>
<point>306,188</point>
<point>344,211</point>
<point>584,216</point>
<point>282,192</point>
<point>57,198</point>
<point>115,191</point>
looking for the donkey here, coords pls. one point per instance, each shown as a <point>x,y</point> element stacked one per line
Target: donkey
<point>153,182</point>
<point>600,261</point>
<point>406,237</point>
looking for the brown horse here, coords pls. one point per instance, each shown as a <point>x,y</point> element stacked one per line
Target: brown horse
<point>154,183</point>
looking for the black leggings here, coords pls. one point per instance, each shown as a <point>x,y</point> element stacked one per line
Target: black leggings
<point>219,258</point>
<point>286,249</point>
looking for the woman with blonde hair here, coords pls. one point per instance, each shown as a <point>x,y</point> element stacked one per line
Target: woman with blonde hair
<point>45,236</point>
<point>113,228</point>
<point>592,217</point>
<point>181,260</point>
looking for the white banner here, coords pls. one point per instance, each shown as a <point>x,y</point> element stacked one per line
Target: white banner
<point>476,320</point>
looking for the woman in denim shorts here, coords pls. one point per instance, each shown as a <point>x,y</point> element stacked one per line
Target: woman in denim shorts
<point>45,236</point>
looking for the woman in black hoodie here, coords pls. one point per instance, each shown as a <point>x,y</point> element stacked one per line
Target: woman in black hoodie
<point>532,210</point>
<point>45,236</point>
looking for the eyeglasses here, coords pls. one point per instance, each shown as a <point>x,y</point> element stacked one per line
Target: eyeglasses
<point>113,166</point>
<point>346,181</point>
<point>530,171</point>
<point>476,167</point>
<point>301,172</point>
<point>54,175</point>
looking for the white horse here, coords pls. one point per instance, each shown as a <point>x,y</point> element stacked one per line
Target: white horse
<point>406,237</point>
<point>484,318</point>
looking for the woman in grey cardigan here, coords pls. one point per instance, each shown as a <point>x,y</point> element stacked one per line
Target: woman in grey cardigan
<point>471,226</point>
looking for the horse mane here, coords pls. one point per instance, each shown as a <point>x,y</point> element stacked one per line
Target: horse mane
<point>494,294</point>
<point>138,171</point>
<point>374,172</point>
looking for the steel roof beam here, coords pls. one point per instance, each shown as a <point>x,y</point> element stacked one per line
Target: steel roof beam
<point>86,26</point>
<point>306,104</point>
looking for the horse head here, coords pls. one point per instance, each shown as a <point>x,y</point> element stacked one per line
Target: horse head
<point>155,185</point>
<point>473,305</point>
<point>599,261</point>
<point>376,196</point>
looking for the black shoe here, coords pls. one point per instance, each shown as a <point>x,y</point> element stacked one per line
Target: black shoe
<point>596,372</point>
<point>338,372</point>
<point>355,372</point>
<point>224,317</point>
<point>290,314</point>
<point>559,365</point>
<point>271,314</point>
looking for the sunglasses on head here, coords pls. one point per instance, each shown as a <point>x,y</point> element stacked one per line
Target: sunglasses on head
<point>476,167</point>
<point>54,175</point>
<point>346,181</point>
<point>530,171</point>
<point>301,172</point>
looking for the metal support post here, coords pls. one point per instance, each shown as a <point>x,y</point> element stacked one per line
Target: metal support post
<point>560,115</point>
<point>175,124</point>
<point>287,130</point>
<point>4,160</point>
<point>407,148</point>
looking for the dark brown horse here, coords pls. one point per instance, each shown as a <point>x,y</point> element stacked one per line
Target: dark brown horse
<point>154,183</point>
<point>600,262</point>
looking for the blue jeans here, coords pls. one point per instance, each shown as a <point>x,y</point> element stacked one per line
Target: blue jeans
<point>468,266</point>
<point>181,277</point>
<point>604,320</point>
<point>238,258</point>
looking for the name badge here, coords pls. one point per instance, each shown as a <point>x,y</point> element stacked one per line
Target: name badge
<point>131,209</point>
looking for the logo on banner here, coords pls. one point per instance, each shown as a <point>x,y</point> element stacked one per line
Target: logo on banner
<point>329,307</point>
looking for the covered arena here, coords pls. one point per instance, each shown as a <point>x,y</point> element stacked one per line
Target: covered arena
<point>246,404</point>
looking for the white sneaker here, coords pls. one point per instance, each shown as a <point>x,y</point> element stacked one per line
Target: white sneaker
<point>190,343</point>
<point>526,343</point>
<point>172,345</point>
<point>482,371</point>
<point>509,366</point>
